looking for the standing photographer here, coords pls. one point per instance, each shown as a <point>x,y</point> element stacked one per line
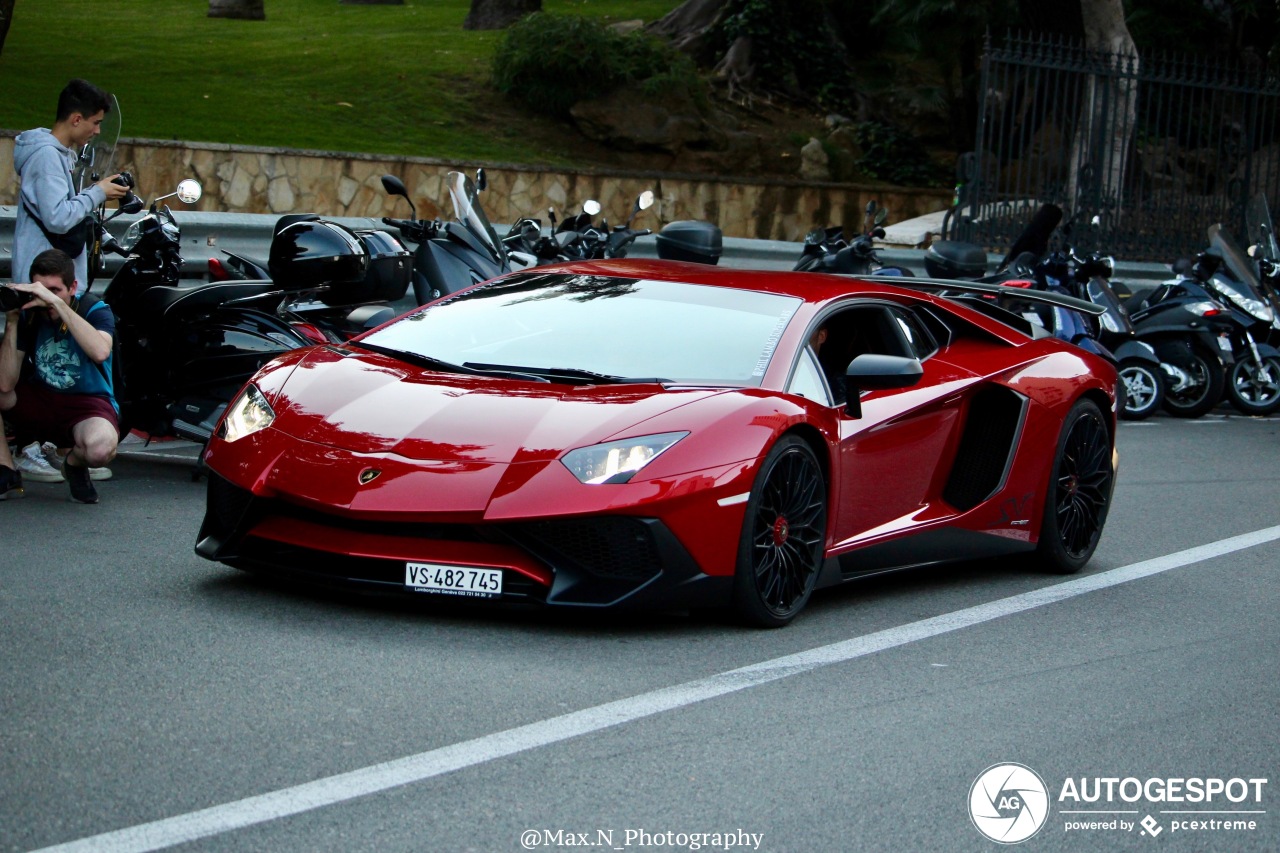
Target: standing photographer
<point>51,213</point>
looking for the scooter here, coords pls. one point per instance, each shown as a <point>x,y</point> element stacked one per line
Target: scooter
<point>184,350</point>
<point>450,255</point>
<point>1253,380</point>
<point>828,249</point>
<point>330,313</point>
<point>577,237</point>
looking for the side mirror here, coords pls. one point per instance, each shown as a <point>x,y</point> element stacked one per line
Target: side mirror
<point>189,191</point>
<point>395,186</point>
<point>591,207</point>
<point>874,372</point>
<point>881,215</point>
<point>482,180</point>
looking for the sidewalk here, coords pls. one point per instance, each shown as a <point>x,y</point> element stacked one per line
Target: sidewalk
<point>134,446</point>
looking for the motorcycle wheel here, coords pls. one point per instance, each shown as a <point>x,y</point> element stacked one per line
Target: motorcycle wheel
<point>1205,391</point>
<point>1143,389</point>
<point>1255,389</point>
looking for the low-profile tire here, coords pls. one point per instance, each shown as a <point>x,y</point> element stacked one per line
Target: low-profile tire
<point>1142,384</point>
<point>1255,389</point>
<point>1207,392</point>
<point>783,536</point>
<point>1079,493</point>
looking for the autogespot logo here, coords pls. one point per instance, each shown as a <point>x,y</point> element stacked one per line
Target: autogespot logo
<point>1008,803</point>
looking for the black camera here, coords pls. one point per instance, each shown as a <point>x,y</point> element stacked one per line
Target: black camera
<point>11,300</point>
<point>124,179</point>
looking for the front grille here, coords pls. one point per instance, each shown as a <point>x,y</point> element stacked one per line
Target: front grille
<point>226,506</point>
<point>613,547</point>
<point>413,529</point>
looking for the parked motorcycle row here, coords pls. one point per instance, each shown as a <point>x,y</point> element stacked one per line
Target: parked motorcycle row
<point>185,348</point>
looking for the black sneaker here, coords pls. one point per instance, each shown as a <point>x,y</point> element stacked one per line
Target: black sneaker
<point>82,490</point>
<point>10,483</point>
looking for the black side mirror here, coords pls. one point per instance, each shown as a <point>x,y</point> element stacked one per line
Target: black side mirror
<point>482,181</point>
<point>395,186</point>
<point>874,372</point>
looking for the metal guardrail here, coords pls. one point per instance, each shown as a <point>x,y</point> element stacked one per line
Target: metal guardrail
<point>206,235</point>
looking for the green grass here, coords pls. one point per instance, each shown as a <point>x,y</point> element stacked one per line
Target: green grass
<point>316,74</point>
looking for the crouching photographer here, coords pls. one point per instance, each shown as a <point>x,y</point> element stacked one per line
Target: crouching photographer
<point>55,374</point>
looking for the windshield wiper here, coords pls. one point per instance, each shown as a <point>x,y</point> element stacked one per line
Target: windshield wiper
<point>552,374</point>
<point>416,358</point>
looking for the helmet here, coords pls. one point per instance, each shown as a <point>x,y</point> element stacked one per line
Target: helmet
<point>311,252</point>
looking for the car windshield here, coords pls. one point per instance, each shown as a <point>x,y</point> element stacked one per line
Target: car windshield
<point>584,328</point>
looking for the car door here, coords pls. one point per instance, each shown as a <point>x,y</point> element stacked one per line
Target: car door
<point>893,443</point>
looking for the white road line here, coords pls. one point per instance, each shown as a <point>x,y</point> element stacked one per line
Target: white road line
<point>437,762</point>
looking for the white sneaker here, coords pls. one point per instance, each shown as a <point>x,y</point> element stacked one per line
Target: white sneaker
<point>55,460</point>
<point>35,467</point>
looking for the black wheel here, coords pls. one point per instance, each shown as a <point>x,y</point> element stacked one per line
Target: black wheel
<point>1142,385</point>
<point>1254,389</point>
<point>1200,391</point>
<point>1075,508</point>
<point>783,536</point>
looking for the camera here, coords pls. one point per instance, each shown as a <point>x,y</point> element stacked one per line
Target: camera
<point>124,179</point>
<point>11,300</point>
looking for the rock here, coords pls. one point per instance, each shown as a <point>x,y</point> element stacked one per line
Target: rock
<point>624,27</point>
<point>815,165</point>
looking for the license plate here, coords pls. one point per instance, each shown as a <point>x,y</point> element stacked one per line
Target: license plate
<point>453,580</point>
<point>1224,343</point>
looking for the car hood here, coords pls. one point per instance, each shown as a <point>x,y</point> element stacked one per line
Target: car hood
<point>370,403</point>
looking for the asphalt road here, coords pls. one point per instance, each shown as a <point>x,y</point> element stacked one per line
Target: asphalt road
<point>166,700</point>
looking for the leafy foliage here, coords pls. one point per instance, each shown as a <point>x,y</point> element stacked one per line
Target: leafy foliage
<point>890,155</point>
<point>550,62</point>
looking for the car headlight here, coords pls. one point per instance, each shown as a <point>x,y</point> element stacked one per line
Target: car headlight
<point>247,414</point>
<point>617,461</point>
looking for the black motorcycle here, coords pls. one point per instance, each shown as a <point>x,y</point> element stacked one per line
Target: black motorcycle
<point>455,254</point>
<point>829,250</point>
<point>183,350</point>
<point>1253,380</point>
<point>577,237</point>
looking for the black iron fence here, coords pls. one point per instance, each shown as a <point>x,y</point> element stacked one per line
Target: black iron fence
<point>1157,148</point>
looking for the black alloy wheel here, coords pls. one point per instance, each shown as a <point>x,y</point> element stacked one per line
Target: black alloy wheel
<point>1254,389</point>
<point>783,536</point>
<point>1202,393</point>
<point>1079,494</point>
<point>1143,387</point>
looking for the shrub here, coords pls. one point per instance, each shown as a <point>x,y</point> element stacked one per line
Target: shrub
<point>550,62</point>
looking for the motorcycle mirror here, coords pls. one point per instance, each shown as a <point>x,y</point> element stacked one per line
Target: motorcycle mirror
<point>394,186</point>
<point>482,181</point>
<point>645,201</point>
<point>551,215</point>
<point>881,215</point>
<point>129,204</point>
<point>591,207</point>
<point>1096,221</point>
<point>189,191</point>
<point>815,237</point>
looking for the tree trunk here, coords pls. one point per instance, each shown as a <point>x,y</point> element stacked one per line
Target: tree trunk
<point>252,10</point>
<point>1100,149</point>
<point>6,16</point>
<point>498,14</point>
<point>687,25</point>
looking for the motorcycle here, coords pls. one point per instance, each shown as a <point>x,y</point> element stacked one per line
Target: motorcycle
<point>450,255</point>
<point>330,313</point>
<point>577,237</point>
<point>184,350</point>
<point>828,250</point>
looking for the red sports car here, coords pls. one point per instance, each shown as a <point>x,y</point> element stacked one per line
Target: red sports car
<point>644,432</point>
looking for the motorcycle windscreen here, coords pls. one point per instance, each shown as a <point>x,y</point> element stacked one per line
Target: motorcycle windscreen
<point>467,210</point>
<point>98,155</point>
<point>1261,230</point>
<point>1236,260</point>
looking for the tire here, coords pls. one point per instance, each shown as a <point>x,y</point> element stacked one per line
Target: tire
<point>783,538</point>
<point>1142,384</point>
<point>1079,494</point>
<point>1203,394</point>
<point>1253,389</point>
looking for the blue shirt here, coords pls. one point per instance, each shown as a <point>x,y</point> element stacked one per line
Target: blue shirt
<point>56,360</point>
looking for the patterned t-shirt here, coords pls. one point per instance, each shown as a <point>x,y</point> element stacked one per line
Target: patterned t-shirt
<point>56,360</point>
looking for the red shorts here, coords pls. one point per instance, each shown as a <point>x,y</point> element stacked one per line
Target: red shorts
<point>43,415</point>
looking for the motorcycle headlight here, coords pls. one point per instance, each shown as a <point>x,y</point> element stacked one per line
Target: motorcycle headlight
<point>1205,309</point>
<point>1110,323</point>
<point>132,235</point>
<point>1259,309</point>
<point>247,414</point>
<point>617,461</point>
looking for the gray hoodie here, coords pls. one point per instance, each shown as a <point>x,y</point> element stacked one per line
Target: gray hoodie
<point>44,166</point>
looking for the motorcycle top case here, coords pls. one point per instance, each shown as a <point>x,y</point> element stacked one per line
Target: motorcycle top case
<point>312,252</point>
<point>691,240</point>
<point>954,259</point>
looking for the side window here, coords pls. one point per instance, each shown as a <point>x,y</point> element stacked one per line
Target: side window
<point>918,339</point>
<point>807,380</point>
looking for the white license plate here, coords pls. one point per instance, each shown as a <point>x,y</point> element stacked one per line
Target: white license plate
<point>1224,343</point>
<point>453,580</point>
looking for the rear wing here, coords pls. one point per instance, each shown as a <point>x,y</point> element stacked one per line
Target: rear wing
<point>949,287</point>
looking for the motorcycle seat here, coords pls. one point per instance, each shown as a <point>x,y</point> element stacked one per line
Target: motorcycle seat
<point>158,301</point>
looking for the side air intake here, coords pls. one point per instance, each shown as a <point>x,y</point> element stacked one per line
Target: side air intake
<point>986,447</point>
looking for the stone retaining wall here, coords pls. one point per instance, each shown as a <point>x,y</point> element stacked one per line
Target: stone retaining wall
<point>279,180</point>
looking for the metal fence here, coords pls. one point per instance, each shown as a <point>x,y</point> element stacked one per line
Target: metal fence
<point>1158,148</point>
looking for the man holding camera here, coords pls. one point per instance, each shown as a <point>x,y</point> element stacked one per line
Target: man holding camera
<point>55,374</point>
<point>52,212</point>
